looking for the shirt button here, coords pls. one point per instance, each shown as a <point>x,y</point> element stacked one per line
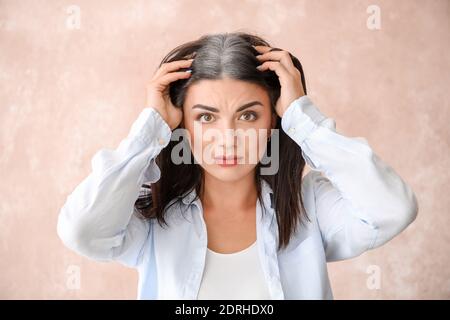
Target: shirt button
<point>291,130</point>
<point>161,141</point>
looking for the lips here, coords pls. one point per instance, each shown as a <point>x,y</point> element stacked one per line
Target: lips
<point>227,159</point>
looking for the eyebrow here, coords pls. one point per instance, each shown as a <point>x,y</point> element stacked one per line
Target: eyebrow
<point>243,107</point>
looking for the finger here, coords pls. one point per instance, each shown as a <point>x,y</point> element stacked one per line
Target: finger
<point>283,56</point>
<point>277,67</point>
<point>172,76</point>
<point>262,49</point>
<point>172,66</point>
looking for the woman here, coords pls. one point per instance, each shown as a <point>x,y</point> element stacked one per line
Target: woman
<point>231,228</point>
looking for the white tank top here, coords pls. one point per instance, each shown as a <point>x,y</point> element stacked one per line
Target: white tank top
<point>231,276</point>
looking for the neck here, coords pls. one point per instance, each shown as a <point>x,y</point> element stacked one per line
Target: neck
<point>233,196</point>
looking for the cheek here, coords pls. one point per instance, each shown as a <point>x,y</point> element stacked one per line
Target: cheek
<point>198,140</point>
<point>252,144</point>
<point>255,146</point>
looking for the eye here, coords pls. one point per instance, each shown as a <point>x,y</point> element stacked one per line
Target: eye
<point>206,116</point>
<point>249,116</point>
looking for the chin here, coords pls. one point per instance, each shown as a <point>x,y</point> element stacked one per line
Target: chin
<point>229,174</point>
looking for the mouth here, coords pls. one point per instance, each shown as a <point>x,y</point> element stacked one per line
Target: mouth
<point>227,161</point>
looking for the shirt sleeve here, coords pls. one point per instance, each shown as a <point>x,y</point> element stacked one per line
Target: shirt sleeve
<point>360,201</point>
<point>98,219</point>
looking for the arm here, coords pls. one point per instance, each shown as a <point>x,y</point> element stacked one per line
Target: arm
<point>98,218</point>
<point>361,203</point>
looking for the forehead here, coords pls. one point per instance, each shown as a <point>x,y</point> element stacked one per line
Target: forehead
<point>225,92</point>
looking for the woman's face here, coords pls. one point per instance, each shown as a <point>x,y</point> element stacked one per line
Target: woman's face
<point>227,118</point>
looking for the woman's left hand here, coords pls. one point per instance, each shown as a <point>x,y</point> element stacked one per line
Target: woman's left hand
<point>289,76</point>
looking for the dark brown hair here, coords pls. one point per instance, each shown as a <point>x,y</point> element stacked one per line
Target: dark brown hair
<point>228,55</point>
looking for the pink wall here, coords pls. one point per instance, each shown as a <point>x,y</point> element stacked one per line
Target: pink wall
<point>67,92</point>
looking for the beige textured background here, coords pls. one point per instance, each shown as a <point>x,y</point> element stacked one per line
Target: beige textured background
<point>66,92</point>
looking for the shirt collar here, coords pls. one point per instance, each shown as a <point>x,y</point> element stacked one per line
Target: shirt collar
<point>189,196</point>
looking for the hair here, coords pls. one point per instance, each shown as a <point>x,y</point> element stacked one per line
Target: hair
<point>216,56</point>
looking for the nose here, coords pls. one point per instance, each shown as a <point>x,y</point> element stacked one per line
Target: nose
<point>228,138</point>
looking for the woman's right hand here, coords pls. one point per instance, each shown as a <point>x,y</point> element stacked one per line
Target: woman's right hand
<point>158,91</point>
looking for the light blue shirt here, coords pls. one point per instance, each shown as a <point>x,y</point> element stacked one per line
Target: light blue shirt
<point>354,200</point>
